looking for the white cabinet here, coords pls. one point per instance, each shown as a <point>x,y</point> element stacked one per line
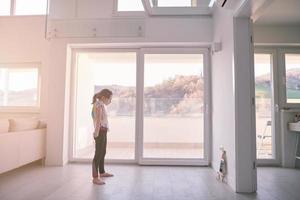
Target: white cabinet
<point>294,126</point>
<point>289,137</point>
<point>20,148</point>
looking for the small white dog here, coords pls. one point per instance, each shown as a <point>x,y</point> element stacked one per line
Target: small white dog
<point>222,170</point>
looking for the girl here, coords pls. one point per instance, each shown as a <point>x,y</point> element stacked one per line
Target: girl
<point>99,115</point>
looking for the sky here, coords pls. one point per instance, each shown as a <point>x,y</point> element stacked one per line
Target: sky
<point>160,67</point>
<point>154,73</point>
<point>262,69</point>
<point>293,61</point>
<point>263,63</point>
<point>157,69</point>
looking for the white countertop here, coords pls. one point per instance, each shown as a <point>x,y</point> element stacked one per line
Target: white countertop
<point>294,126</point>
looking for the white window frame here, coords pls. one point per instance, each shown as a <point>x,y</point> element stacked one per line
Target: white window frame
<point>25,109</point>
<point>282,72</point>
<point>276,146</point>
<point>184,48</point>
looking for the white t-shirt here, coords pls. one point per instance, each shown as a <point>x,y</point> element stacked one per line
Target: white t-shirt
<point>99,116</point>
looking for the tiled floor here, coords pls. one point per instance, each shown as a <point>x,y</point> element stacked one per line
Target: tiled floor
<point>133,182</point>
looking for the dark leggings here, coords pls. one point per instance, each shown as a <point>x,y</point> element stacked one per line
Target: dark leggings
<point>100,151</point>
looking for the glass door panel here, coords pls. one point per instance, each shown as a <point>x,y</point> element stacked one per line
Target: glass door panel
<point>264,103</point>
<point>117,72</point>
<point>173,106</point>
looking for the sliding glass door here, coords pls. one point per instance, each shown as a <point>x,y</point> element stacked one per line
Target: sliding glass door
<point>174,104</point>
<point>160,108</point>
<point>117,72</point>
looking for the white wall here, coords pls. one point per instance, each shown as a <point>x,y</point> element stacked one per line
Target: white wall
<point>80,18</point>
<point>232,93</point>
<point>22,40</point>
<point>245,142</point>
<point>56,107</point>
<point>223,103</point>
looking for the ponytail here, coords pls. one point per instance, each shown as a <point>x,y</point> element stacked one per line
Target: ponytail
<point>94,98</point>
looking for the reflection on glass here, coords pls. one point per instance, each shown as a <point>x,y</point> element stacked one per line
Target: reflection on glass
<point>19,87</point>
<point>173,106</point>
<point>117,72</point>
<point>292,71</point>
<point>263,94</point>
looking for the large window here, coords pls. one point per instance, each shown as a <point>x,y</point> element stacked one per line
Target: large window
<point>23,7</point>
<point>19,86</point>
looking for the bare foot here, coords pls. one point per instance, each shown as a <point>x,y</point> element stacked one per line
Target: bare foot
<point>98,181</point>
<point>106,175</point>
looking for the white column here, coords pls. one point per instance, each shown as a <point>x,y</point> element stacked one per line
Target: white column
<point>246,180</point>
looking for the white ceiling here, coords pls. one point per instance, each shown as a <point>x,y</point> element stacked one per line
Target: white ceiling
<point>280,12</point>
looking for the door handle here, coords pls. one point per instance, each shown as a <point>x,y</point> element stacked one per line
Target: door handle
<point>277,108</point>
